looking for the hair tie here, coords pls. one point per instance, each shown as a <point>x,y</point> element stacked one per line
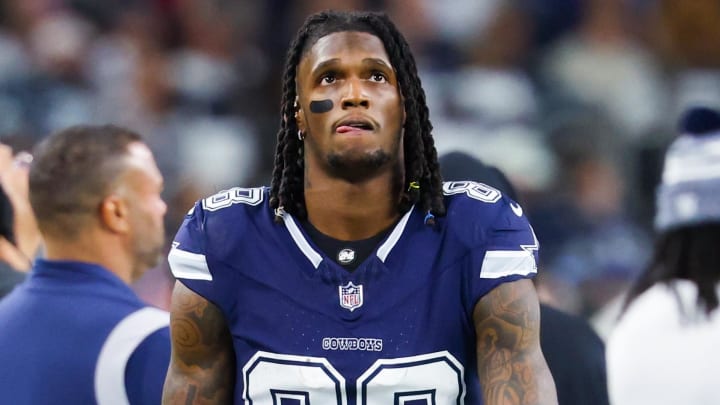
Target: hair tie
<point>280,212</point>
<point>428,217</point>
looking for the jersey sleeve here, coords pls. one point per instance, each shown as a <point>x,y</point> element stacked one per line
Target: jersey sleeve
<point>133,359</point>
<point>205,254</point>
<point>507,250</point>
<point>188,257</point>
<point>147,369</point>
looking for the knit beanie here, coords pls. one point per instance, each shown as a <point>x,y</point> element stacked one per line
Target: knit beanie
<point>689,193</point>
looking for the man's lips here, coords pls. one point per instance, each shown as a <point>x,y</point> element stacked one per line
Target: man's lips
<point>344,129</point>
<point>354,124</point>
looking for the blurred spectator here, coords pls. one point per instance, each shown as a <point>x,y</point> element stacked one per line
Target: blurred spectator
<point>685,35</point>
<point>19,234</point>
<point>663,349</point>
<point>604,65</point>
<point>491,99</point>
<point>592,247</point>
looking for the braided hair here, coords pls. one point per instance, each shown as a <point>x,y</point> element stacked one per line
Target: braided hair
<point>422,183</point>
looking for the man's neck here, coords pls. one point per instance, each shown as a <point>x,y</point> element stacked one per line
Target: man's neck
<point>351,211</point>
<point>91,248</point>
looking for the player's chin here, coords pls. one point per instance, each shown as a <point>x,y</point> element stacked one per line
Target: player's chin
<point>358,168</point>
<point>356,158</point>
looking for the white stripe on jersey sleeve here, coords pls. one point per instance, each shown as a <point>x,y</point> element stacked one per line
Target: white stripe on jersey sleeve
<point>501,263</point>
<point>117,349</point>
<point>192,266</point>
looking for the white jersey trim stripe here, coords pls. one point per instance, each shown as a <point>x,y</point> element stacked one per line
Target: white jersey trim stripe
<point>314,257</point>
<point>117,349</point>
<point>501,263</point>
<point>192,266</point>
<point>384,249</point>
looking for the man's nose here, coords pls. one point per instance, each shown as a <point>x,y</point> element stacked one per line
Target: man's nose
<point>355,95</point>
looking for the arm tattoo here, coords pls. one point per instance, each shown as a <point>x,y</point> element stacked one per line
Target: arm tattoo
<point>197,326</point>
<point>202,367</point>
<point>511,366</point>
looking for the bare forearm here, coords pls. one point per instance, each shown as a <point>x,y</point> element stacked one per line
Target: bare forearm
<point>202,366</point>
<point>511,366</point>
<point>509,380</point>
<point>196,389</point>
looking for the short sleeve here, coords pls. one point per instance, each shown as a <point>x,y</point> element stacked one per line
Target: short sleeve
<point>147,368</point>
<point>136,349</point>
<point>188,257</point>
<point>508,250</point>
<point>199,258</point>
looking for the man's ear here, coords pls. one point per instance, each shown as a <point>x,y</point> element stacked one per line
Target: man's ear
<point>299,115</point>
<point>114,214</point>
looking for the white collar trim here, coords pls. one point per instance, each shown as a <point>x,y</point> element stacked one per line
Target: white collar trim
<point>315,258</point>
<point>384,249</point>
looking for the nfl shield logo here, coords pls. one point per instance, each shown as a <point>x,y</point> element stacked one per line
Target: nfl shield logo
<point>351,296</point>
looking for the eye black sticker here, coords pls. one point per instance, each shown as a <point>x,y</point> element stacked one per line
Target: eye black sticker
<point>321,106</point>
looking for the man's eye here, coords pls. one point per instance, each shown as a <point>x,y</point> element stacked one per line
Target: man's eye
<point>327,79</point>
<point>378,77</point>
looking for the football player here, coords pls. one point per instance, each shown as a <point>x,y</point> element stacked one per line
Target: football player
<point>358,277</point>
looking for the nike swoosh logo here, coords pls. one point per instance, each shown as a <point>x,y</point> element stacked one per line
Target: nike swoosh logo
<point>517,209</point>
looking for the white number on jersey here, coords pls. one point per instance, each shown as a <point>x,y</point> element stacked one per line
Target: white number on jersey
<point>478,191</point>
<point>236,195</point>
<point>435,378</point>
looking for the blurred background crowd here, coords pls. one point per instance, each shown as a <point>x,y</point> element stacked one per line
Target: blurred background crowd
<point>575,100</point>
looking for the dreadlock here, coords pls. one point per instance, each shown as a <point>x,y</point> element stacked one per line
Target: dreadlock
<point>423,183</point>
<point>689,253</point>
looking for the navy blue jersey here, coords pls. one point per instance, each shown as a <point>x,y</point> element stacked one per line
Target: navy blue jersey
<point>74,333</point>
<point>398,329</point>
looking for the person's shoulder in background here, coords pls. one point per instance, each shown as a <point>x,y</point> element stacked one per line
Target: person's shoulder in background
<point>576,357</point>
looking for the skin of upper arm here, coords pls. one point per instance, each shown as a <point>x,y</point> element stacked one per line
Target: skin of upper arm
<point>511,366</point>
<point>202,362</point>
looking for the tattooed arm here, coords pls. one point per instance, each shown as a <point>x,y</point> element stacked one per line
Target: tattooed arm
<point>202,364</point>
<point>511,365</point>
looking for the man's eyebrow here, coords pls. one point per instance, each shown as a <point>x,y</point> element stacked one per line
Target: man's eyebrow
<point>377,61</point>
<point>324,64</point>
<point>367,61</point>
